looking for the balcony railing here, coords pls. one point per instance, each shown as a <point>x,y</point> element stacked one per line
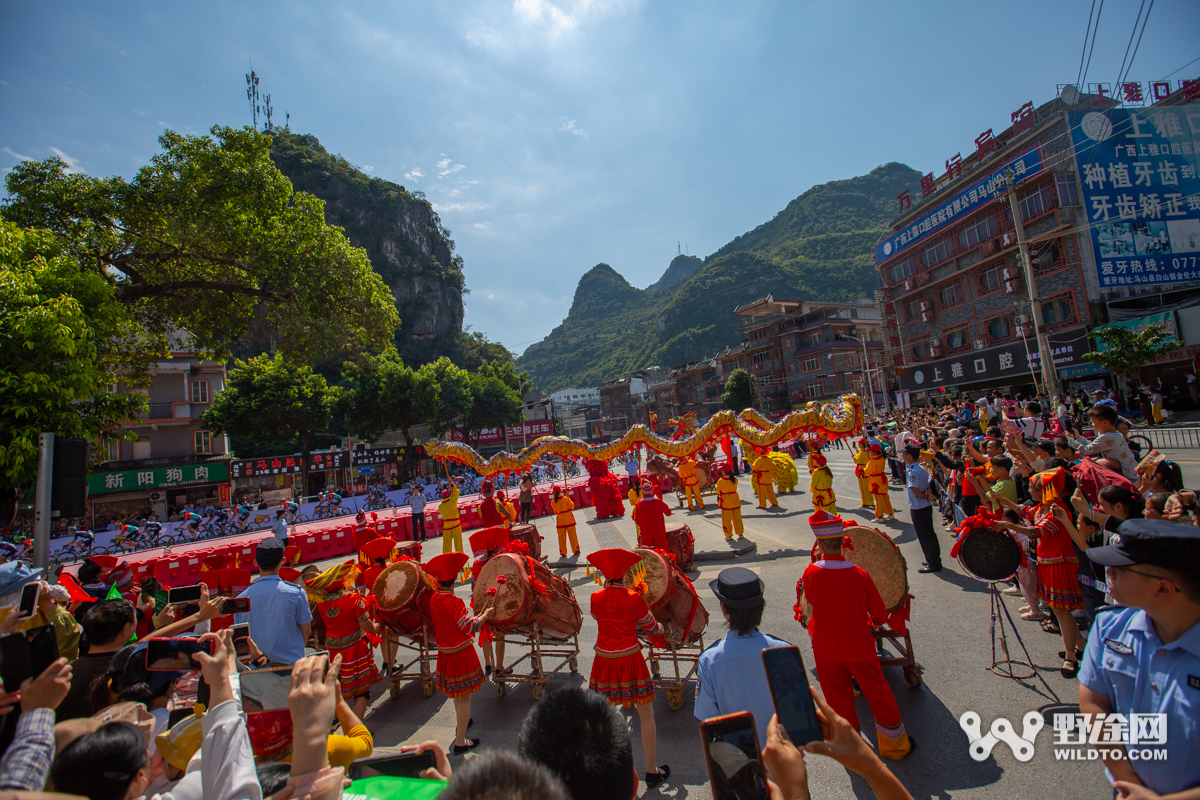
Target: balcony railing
<point>161,411</point>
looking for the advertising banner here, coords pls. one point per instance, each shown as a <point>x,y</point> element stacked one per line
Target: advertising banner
<point>1137,170</point>
<point>290,465</point>
<point>1166,319</point>
<point>533,429</point>
<point>157,477</point>
<point>1002,361</point>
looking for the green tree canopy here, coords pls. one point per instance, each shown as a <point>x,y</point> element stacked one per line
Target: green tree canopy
<point>207,238</point>
<point>64,339</point>
<point>493,404</point>
<point>387,394</point>
<point>454,397</point>
<point>273,401</point>
<point>1127,351</point>
<point>737,396</point>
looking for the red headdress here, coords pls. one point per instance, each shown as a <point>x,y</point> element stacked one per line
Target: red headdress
<point>614,562</point>
<point>447,566</point>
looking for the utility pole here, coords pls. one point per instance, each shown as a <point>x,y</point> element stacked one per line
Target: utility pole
<point>1049,373</point>
<point>41,500</point>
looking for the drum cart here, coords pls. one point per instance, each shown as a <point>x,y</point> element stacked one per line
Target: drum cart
<point>394,644</point>
<point>683,660</point>
<point>903,643</point>
<point>541,649</point>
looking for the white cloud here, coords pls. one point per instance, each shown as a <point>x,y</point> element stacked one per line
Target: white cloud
<point>72,164</point>
<point>368,168</point>
<point>470,206</point>
<point>17,156</point>
<point>122,52</point>
<point>569,126</point>
<point>413,174</point>
<point>481,35</point>
<point>447,167</point>
<point>141,112</point>
<point>541,11</point>
<point>162,124</point>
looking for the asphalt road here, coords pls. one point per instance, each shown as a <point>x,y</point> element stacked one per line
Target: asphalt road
<point>950,629</point>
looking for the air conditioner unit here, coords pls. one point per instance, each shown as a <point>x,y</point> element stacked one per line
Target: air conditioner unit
<point>922,305</point>
<point>155,497</point>
<point>1022,319</point>
<point>987,248</point>
<point>935,342</point>
<point>1020,331</point>
<point>1008,239</point>
<point>1007,274</point>
<point>907,285</point>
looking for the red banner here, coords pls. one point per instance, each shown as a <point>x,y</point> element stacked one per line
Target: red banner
<point>224,494</point>
<point>518,436</point>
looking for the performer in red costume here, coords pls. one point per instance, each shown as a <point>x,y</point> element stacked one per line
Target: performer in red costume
<point>458,673</point>
<point>843,606</point>
<point>619,671</point>
<point>492,511</point>
<point>486,543</point>
<point>650,513</point>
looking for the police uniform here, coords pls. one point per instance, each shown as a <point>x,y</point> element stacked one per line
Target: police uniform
<point>730,674</point>
<point>1126,660</point>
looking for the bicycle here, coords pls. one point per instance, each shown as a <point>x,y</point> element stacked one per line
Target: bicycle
<point>330,506</point>
<point>376,500</point>
<point>80,548</point>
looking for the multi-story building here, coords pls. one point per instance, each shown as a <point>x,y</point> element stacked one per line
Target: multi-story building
<point>175,460</point>
<point>830,348</point>
<point>759,322</point>
<point>951,264</point>
<point>573,398</point>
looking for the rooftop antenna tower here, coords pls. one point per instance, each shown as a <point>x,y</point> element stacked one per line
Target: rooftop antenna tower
<point>252,95</point>
<point>267,110</point>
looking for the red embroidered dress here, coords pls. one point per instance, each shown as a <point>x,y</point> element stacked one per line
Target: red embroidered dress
<point>458,671</point>
<point>619,670</point>
<point>1058,568</point>
<point>343,634</point>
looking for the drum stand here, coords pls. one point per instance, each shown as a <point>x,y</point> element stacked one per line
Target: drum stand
<point>684,661</point>
<point>393,643</point>
<point>1006,667</point>
<point>541,648</point>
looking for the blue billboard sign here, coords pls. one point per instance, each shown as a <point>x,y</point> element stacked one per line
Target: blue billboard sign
<point>959,205</point>
<point>1137,170</point>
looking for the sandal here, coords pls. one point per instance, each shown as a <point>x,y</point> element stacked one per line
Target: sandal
<point>1034,616</point>
<point>1050,625</point>
<point>1063,654</point>
<point>1069,671</point>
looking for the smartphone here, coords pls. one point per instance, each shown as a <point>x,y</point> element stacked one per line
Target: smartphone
<point>405,765</point>
<point>789,689</point>
<point>177,715</point>
<point>265,689</point>
<point>186,610</point>
<point>241,639</point>
<point>27,607</point>
<point>175,654</point>
<point>183,594</point>
<point>15,662</point>
<point>731,750</point>
<point>235,605</point>
<point>43,648</point>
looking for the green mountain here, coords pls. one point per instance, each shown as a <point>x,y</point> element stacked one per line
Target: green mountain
<point>821,247</point>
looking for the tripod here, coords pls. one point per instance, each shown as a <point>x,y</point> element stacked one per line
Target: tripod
<point>1007,666</point>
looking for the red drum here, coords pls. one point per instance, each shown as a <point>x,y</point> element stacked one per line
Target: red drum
<point>671,597</point>
<point>529,535</point>
<point>682,545</point>
<point>402,597</point>
<point>529,594</point>
<point>410,549</point>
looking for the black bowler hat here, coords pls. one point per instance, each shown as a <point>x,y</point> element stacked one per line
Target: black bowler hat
<point>738,587</point>
<point>1156,542</point>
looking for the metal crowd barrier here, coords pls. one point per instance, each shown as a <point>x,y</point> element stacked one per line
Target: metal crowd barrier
<point>1167,438</point>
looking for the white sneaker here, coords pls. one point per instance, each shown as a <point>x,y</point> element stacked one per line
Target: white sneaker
<point>890,516</point>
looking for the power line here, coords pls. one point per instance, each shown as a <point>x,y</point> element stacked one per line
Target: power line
<point>1185,66</point>
<point>1139,41</point>
<point>1087,33</point>
<point>1132,33</point>
<point>1095,30</point>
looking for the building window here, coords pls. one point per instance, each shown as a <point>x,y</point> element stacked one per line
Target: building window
<point>1068,191</point>
<point>199,391</point>
<point>1060,310</point>
<point>814,388</point>
<point>936,254</point>
<point>991,279</point>
<point>852,360</point>
<point>114,451</point>
<point>203,443</point>
<point>791,367</point>
<point>854,313</point>
<point>999,329</point>
<point>1036,203</point>
<point>1048,258</point>
<point>811,364</point>
<point>950,295</point>
<point>787,342</point>
<point>904,269</point>
<point>976,232</point>
<point>920,350</point>
<point>912,310</point>
<point>958,339</point>
<point>759,358</point>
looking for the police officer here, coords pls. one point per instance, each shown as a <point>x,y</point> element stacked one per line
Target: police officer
<point>1144,657</point>
<point>731,675</point>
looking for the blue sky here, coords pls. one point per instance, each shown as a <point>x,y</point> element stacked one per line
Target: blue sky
<point>555,134</point>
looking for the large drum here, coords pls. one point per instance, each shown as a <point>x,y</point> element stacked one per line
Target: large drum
<point>875,552</point>
<point>402,597</point>
<point>529,595</point>
<point>989,556</point>
<point>681,544</point>
<point>672,598</point>
<point>530,536</point>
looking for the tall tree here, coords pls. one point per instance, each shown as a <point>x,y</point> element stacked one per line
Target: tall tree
<point>208,237</point>
<point>738,395</point>
<point>387,394</point>
<point>494,404</point>
<point>454,396</point>
<point>1127,351</point>
<point>273,401</point>
<point>64,341</point>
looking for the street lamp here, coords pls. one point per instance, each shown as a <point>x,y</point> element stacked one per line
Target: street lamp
<point>867,375</point>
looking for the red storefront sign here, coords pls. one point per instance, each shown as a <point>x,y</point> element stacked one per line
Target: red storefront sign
<point>517,435</point>
<point>224,494</point>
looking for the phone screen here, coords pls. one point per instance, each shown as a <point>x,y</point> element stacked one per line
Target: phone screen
<point>734,761</point>
<point>789,688</point>
<point>29,598</point>
<point>43,648</point>
<point>174,654</point>
<point>408,765</point>
<point>236,605</point>
<point>241,639</point>
<point>15,663</point>
<point>183,594</point>
<point>265,689</point>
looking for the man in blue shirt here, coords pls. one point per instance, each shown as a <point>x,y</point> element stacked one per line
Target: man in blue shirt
<point>279,527</point>
<point>279,616</point>
<point>416,500</point>
<point>921,508</point>
<point>730,674</point>
<point>1145,658</point>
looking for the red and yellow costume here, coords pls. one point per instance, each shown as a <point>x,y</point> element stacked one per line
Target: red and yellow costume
<point>619,671</point>
<point>821,483</point>
<point>1057,566</point>
<point>342,611</point>
<point>564,520</point>
<point>490,509</point>
<point>636,492</point>
<point>690,482</point>
<point>764,477</point>
<point>374,556</point>
<point>650,514</point>
<point>877,482</point>
<point>451,524</point>
<point>844,605</point>
<point>458,671</point>
<point>731,506</point>
<point>861,456</point>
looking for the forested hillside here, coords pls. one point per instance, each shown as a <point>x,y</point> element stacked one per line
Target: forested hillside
<point>820,247</point>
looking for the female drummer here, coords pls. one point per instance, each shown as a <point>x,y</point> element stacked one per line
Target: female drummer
<point>458,673</point>
<point>619,670</point>
<point>1058,584</point>
<point>349,632</point>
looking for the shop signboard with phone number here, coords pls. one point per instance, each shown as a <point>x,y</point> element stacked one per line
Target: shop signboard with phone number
<point>289,465</point>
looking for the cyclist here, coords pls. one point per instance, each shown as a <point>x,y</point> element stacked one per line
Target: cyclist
<point>8,552</point>
<point>191,524</point>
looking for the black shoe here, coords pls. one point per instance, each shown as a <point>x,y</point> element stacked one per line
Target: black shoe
<point>466,748</point>
<point>487,671</point>
<point>928,569</point>
<point>655,778</point>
